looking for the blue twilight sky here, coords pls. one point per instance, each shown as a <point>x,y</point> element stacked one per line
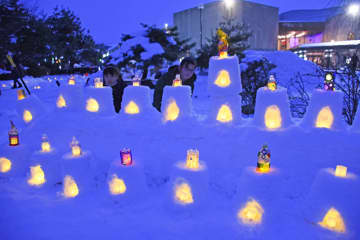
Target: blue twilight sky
<point>108,19</point>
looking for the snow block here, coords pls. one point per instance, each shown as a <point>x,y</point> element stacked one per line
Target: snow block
<point>30,109</point>
<point>224,76</point>
<point>329,191</point>
<point>225,110</point>
<point>325,111</point>
<point>176,103</point>
<point>99,101</point>
<point>18,158</point>
<point>70,98</point>
<point>356,124</point>
<point>272,109</point>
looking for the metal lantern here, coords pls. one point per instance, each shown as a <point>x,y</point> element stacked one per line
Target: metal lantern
<point>126,157</point>
<point>13,135</point>
<point>263,163</point>
<point>177,81</point>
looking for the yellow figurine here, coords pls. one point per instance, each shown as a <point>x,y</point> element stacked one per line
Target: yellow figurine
<point>223,43</point>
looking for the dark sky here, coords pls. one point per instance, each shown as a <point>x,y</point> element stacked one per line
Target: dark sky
<point>108,19</point>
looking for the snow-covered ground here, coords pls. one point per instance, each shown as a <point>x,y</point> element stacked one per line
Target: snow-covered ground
<point>294,197</point>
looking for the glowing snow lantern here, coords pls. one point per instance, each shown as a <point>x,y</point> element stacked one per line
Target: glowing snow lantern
<point>272,83</point>
<point>13,135</point>
<point>329,84</point>
<point>45,144</point>
<point>251,213</point>
<point>27,116</point>
<point>177,81</point>
<point>192,159</point>
<point>71,81</point>
<point>333,221</point>
<point>273,117</point>
<point>132,108</point>
<point>224,115</point>
<point>92,105</point>
<point>340,171</point>
<point>223,43</point>
<point>172,111</point>
<point>75,148</point>
<point>21,94</point>
<point>263,163</point>
<point>183,194</point>
<point>70,187</point>
<point>37,176</point>
<point>5,165</point>
<point>223,79</point>
<point>98,83</point>
<point>325,118</point>
<point>126,157</point>
<point>117,185</point>
<point>61,103</point>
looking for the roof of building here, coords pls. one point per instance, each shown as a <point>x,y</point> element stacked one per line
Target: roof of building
<point>334,44</point>
<point>310,15</point>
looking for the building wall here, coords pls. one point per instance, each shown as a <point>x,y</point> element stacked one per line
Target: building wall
<point>263,21</point>
<point>338,28</point>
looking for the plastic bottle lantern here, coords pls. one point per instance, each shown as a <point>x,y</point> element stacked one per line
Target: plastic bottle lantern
<point>126,157</point>
<point>272,83</point>
<point>98,83</point>
<point>263,163</point>
<point>75,147</point>
<point>329,84</point>
<point>223,43</point>
<point>21,94</point>
<point>177,81</point>
<point>192,159</point>
<point>45,145</point>
<point>13,135</point>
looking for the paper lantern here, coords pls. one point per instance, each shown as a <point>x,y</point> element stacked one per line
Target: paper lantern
<point>329,84</point>
<point>13,135</point>
<point>325,118</point>
<point>117,185</point>
<point>224,115</point>
<point>272,83</point>
<point>273,117</point>
<point>92,105</point>
<point>340,171</point>
<point>183,194</point>
<point>98,83</point>
<point>177,81</point>
<point>27,116</point>
<point>172,111</point>
<point>192,159</point>
<point>251,213</point>
<point>21,94</point>
<point>223,79</point>
<point>263,162</point>
<point>70,187</point>
<point>333,221</point>
<point>61,103</point>
<point>45,144</point>
<point>75,148</point>
<point>37,176</point>
<point>132,108</point>
<point>126,157</point>
<point>5,165</point>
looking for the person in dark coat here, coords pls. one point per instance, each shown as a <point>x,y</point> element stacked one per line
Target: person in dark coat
<point>113,79</point>
<point>187,76</point>
<point>16,74</point>
<point>354,62</point>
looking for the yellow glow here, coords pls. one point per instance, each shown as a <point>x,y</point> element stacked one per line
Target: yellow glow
<point>271,86</point>
<point>223,79</point>
<point>117,185</point>
<point>98,83</point>
<point>265,168</point>
<point>70,187</point>
<point>37,177</point>
<point>76,151</point>
<point>71,81</point>
<point>92,105</point>
<point>172,111</point>
<point>340,171</point>
<point>136,83</point>
<point>333,221</point>
<point>183,194</point>
<point>192,159</point>
<point>45,147</point>
<point>177,83</point>
<point>5,165</point>
<point>224,115</point>
<point>21,94</point>
<point>27,116</point>
<point>328,77</point>
<point>132,108</point>
<point>325,118</point>
<point>223,55</point>
<point>14,140</point>
<point>273,117</point>
<point>61,103</point>
<point>251,213</point>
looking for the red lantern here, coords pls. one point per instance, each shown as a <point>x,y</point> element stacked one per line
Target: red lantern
<point>126,157</point>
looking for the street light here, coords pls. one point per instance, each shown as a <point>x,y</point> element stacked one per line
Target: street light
<point>229,3</point>
<point>354,10</point>
<point>201,7</point>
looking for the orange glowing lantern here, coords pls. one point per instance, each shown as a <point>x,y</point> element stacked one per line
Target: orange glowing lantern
<point>177,81</point>
<point>273,117</point>
<point>61,103</point>
<point>223,79</point>
<point>71,189</point>
<point>223,43</point>
<point>325,118</point>
<point>172,111</point>
<point>45,144</point>
<point>21,94</point>
<point>117,185</point>
<point>126,157</point>
<point>71,81</point>
<point>13,135</point>
<point>75,148</point>
<point>272,83</point>
<point>37,176</point>
<point>98,83</point>
<point>251,213</point>
<point>340,171</point>
<point>132,108</point>
<point>192,159</point>
<point>333,221</point>
<point>5,165</point>
<point>224,115</point>
<point>136,81</point>
<point>92,105</point>
<point>183,194</point>
<point>27,116</point>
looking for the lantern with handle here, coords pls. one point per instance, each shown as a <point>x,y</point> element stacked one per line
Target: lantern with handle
<point>13,135</point>
<point>263,163</point>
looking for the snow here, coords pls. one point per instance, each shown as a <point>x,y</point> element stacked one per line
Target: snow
<point>354,43</point>
<point>181,95</point>
<point>294,195</point>
<point>2,71</point>
<point>310,15</point>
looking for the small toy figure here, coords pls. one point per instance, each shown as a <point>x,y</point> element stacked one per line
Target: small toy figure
<point>263,163</point>
<point>223,43</point>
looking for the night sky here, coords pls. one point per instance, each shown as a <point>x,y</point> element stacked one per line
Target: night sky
<point>108,19</point>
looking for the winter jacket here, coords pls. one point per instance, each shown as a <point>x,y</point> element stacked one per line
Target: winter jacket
<point>117,93</point>
<point>166,80</point>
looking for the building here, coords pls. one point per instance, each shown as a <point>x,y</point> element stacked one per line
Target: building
<point>200,23</point>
